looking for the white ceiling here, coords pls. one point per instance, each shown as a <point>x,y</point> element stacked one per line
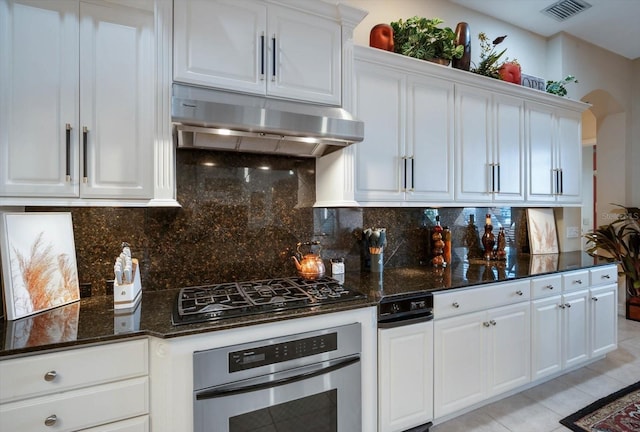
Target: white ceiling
<point>609,24</point>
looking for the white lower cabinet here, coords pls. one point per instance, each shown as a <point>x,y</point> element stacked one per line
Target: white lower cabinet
<point>604,329</point>
<point>405,376</point>
<point>479,355</point>
<point>570,327</point>
<point>104,387</point>
<point>546,336</point>
<point>575,328</point>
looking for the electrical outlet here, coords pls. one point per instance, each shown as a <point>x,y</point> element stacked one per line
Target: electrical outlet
<point>573,232</point>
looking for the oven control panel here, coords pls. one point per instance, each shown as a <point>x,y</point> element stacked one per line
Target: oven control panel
<point>280,352</point>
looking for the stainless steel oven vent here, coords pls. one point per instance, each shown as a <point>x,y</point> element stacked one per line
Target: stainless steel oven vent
<point>565,9</point>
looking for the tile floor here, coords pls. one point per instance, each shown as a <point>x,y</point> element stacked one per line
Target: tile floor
<point>540,408</point>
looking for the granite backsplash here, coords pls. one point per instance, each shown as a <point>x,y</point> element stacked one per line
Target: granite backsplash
<point>241,217</point>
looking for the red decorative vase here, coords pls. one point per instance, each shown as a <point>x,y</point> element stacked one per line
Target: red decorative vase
<point>381,36</point>
<point>511,72</point>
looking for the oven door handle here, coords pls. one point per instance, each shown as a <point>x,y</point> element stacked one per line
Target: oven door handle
<point>277,379</point>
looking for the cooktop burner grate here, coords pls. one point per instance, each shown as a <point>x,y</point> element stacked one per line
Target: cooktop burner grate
<point>235,299</point>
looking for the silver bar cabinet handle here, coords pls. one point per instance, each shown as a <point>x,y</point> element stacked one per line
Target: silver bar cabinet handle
<point>85,133</point>
<point>68,150</point>
<point>273,66</point>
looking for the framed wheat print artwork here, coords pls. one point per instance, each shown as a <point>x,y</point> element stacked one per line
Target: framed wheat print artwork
<point>39,267</point>
<point>543,238</point>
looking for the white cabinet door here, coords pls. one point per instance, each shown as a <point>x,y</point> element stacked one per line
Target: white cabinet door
<point>81,100</point>
<point>555,154</point>
<point>489,146</point>
<point>429,139</point>
<point>38,98</point>
<point>405,370</point>
<point>508,148</point>
<point>460,362</point>
<point>479,355</point>
<point>509,345</point>
<point>304,56</point>
<point>576,327</point>
<point>221,43</point>
<point>540,135</point>
<point>253,47</point>
<point>379,101</point>
<point>569,157</point>
<point>117,101</point>
<point>473,144</point>
<point>604,324</point>
<point>546,336</point>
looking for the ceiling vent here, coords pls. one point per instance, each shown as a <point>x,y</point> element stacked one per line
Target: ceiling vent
<point>565,9</point>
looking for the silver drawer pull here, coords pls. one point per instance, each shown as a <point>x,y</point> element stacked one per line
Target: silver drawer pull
<point>568,305</point>
<point>606,277</point>
<point>492,322</point>
<point>456,305</point>
<point>486,324</point>
<point>50,376</point>
<point>549,287</point>
<point>594,298</point>
<point>561,306</point>
<point>519,292</point>
<point>51,420</point>
<point>577,281</point>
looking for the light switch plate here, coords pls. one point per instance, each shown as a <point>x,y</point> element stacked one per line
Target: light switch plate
<point>573,232</point>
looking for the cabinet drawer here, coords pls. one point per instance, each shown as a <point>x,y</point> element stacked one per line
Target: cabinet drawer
<point>575,280</point>
<point>462,301</point>
<point>78,409</point>
<point>65,370</point>
<point>546,286</point>
<point>604,275</point>
<point>138,424</point>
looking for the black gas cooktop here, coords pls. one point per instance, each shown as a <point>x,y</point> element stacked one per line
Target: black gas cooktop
<point>228,300</point>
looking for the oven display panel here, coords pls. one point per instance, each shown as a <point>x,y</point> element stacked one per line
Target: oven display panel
<point>276,353</point>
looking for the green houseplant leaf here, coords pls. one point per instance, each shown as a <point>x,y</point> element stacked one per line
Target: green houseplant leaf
<point>422,38</point>
<point>620,240</point>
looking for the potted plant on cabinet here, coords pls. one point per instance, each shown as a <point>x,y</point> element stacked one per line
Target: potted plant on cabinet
<point>421,38</point>
<point>489,65</point>
<point>620,240</point>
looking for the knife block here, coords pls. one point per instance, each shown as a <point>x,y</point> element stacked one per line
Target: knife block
<point>126,296</point>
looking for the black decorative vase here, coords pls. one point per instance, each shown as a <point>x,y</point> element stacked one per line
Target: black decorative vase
<point>463,37</point>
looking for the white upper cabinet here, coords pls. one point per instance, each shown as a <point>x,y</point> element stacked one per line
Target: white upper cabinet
<point>437,135</point>
<point>257,47</point>
<point>407,153</point>
<point>380,102</point>
<point>39,98</point>
<point>79,99</point>
<point>116,101</point>
<point>489,145</point>
<point>554,154</point>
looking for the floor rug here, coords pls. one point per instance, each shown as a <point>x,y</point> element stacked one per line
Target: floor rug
<point>618,412</point>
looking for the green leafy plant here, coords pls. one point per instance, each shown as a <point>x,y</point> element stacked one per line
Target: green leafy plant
<point>558,87</point>
<point>620,240</point>
<point>421,38</point>
<point>489,65</point>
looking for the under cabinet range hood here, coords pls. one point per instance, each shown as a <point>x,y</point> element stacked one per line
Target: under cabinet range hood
<point>220,120</point>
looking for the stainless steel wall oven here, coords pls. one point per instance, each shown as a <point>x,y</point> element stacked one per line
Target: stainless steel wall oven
<point>305,382</point>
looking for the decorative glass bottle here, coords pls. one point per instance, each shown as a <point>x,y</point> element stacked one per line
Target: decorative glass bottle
<point>501,253</point>
<point>437,244</point>
<point>446,236</point>
<point>472,239</point>
<point>488,239</point>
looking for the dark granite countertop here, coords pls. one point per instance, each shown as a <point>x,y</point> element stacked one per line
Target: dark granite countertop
<point>409,280</point>
<point>93,320</point>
